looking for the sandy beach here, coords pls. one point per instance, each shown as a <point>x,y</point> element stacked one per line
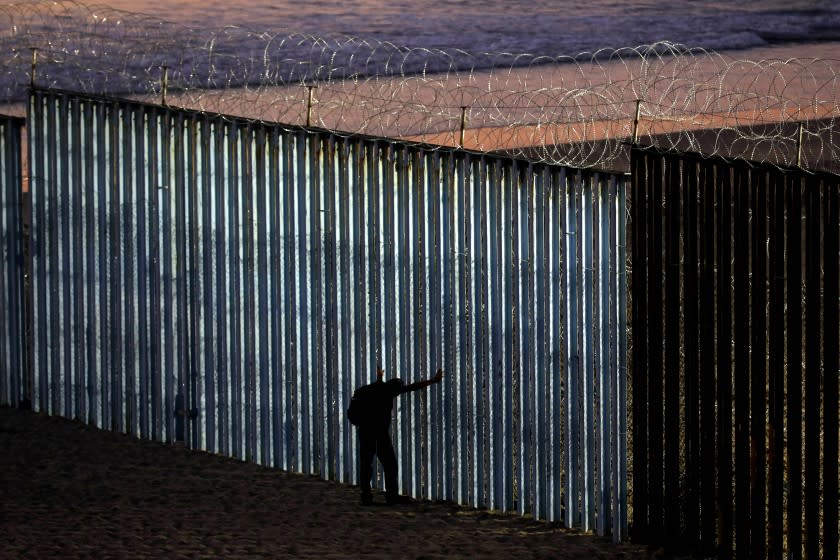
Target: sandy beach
<point>73,491</point>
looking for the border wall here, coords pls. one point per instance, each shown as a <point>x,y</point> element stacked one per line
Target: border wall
<point>735,356</point>
<point>227,284</point>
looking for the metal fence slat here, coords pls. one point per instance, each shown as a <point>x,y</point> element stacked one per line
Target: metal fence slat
<point>15,387</point>
<point>831,318</point>
<point>794,368</point>
<point>741,350</point>
<point>812,358</point>
<point>776,370</point>
<point>758,377</point>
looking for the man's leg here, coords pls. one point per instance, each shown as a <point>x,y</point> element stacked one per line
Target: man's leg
<point>367,448</point>
<point>385,452</point>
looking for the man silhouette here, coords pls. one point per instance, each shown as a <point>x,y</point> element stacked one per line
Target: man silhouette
<point>370,410</point>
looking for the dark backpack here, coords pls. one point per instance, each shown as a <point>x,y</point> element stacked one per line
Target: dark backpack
<point>359,410</point>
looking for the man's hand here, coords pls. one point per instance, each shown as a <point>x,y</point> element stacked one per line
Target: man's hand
<point>426,382</point>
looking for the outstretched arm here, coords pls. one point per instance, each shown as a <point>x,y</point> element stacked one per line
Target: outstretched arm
<point>422,384</point>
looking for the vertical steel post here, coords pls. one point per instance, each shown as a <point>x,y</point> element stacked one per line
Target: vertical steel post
<point>776,430</point>
<point>309,104</point>
<point>34,63</point>
<point>758,424</point>
<point>636,121</point>
<point>164,84</point>
<point>640,238</point>
<point>794,338</point>
<point>603,355</point>
<point>691,342</point>
<point>620,491</point>
<point>588,368</point>
<point>573,352</point>
<point>814,330</point>
<point>463,126</point>
<point>831,311</point>
<point>14,353</point>
<point>672,272</point>
<point>799,145</point>
<point>707,349</point>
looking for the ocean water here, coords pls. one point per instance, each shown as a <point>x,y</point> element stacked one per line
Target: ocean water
<point>539,27</point>
<point>120,45</point>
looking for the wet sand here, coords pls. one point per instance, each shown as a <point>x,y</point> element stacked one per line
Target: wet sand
<point>73,491</point>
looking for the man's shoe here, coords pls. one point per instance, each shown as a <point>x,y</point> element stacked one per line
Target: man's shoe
<point>367,500</point>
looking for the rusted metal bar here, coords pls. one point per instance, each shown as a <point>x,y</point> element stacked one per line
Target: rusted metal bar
<point>813,335</point>
<point>741,362</point>
<point>724,196</point>
<point>640,221</point>
<point>794,366</point>
<point>671,373</point>
<point>776,370</point>
<point>692,303</point>
<point>831,281</point>
<point>758,370</point>
<point>707,350</point>
<point>656,426</point>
